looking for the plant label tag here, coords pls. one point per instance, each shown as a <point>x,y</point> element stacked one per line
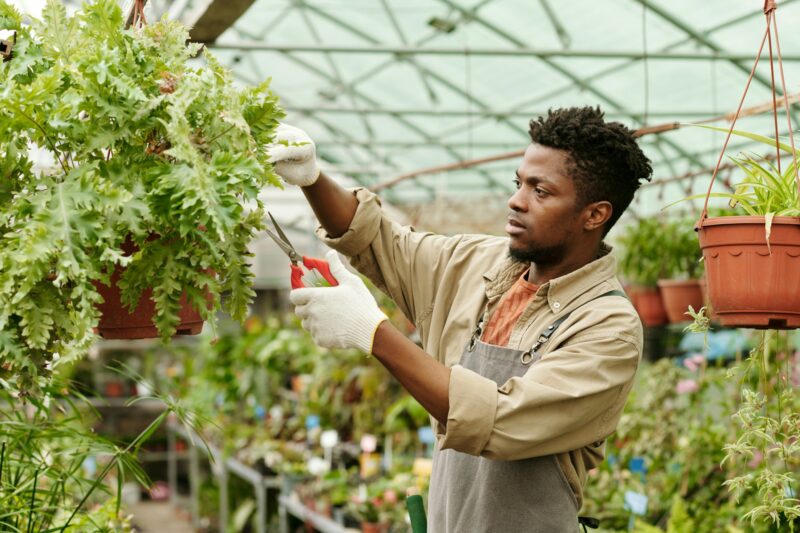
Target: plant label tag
<point>425,434</point>
<point>370,465</point>
<point>312,422</point>
<point>636,502</point>
<point>637,465</point>
<point>369,443</point>
<point>423,467</point>
<point>329,438</point>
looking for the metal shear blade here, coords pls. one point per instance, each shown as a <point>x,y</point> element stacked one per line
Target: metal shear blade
<point>283,241</point>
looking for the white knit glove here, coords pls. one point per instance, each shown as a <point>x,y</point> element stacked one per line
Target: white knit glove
<point>297,165</point>
<point>345,316</point>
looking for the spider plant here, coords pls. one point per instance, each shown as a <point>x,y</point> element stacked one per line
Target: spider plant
<point>764,190</point>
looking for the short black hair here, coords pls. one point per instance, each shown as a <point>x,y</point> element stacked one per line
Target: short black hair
<point>605,161</point>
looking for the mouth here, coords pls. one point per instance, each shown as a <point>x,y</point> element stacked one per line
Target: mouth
<point>514,227</point>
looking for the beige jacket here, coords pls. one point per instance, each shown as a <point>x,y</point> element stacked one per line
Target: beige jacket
<point>569,401</point>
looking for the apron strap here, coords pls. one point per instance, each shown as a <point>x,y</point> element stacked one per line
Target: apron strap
<point>527,357</point>
<point>588,521</point>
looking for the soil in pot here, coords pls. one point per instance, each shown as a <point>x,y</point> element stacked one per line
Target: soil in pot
<point>678,295</point>
<point>116,322</point>
<point>751,284</point>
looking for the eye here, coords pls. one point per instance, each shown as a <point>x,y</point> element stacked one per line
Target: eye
<point>517,184</point>
<point>540,192</point>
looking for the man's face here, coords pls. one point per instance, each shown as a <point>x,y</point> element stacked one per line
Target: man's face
<point>543,221</point>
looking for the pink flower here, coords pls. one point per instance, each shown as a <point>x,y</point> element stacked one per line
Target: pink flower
<point>694,362</point>
<point>390,496</point>
<point>686,386</point>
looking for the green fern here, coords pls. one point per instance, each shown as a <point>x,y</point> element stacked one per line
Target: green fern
<point>146,147</point>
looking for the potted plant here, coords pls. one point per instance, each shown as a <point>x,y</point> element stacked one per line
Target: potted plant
<point>371,509</point>
<point>680,284</point>
<point>642,265</point>
<point>752,260</point>
<point>156,166</point>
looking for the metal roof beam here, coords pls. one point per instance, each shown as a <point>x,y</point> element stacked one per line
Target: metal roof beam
<point>429,73</point>
<point>357,94</point>
<point>489,113</point>
<point>334,68</point>
<point>705,41</point>
<point>605,72</point>
<point>569,74</point>
<point>419,144</point>
<point>402,36</point>
<point>402,52</point>
<point>211,18</point>
<point>340,134</point>
<point>413,127</point>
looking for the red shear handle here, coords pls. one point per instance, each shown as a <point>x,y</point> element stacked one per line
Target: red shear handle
<point>297,277</point>
<point>321,266</point>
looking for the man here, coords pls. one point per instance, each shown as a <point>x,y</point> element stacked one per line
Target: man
<point>529,344</point>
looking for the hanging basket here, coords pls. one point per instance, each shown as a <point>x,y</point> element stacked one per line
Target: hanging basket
<point>751,284</point>
<point>751,267</point>
<point>116,322</point>
<point>678,295</point>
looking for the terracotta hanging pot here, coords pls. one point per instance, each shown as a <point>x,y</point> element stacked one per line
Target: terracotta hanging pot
<point>372,527</point>
<point>751,284</point>
<point>649,305</point>
<point>116,322</point>
<point>678,295</point>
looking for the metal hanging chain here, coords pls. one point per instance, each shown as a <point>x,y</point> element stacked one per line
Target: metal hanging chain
<point>770,8</point>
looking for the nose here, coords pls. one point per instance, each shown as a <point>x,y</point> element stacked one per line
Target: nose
<point>516,202</point>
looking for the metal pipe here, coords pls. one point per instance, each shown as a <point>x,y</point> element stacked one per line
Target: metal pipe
<point>761,108</point>
<point>504,52</point>
<point>490,113</point>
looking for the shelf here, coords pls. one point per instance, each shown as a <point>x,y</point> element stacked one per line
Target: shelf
<point>321,523</point>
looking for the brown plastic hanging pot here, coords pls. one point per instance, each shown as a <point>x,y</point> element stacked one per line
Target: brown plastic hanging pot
<point>116,322</point>
<point>678,295</point>
<point>751,284</point>
<point>752,276</point>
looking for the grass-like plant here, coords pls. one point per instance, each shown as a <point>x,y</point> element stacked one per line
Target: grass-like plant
<point>44,450</point>
<point>763,189</point>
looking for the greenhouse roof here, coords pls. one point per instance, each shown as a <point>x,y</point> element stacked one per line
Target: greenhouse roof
<point>388,88</point>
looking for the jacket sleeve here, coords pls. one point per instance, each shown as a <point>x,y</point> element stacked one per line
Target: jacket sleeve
<point>405,264</point>
<point>571,398</point>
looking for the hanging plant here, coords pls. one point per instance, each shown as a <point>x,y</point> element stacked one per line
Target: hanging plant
<point>751,260</point>
<point>149,151</point>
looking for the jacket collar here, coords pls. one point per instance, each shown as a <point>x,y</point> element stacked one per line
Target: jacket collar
<point>560,291</point>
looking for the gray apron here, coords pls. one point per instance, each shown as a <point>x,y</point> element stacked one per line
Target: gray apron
<point>471,494</point>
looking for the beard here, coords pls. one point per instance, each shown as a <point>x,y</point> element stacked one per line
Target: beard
<point>541,256</point>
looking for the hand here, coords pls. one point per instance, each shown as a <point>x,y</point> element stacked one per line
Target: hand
<point>345,316</point>
<point>297,165</point>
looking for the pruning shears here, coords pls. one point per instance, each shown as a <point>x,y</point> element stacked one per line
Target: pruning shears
<point>317,271</point>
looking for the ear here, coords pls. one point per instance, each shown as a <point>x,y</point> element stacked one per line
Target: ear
<point>596,215</point>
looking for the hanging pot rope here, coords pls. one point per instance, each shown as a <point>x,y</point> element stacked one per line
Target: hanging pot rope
<point>136,18</point>
<point>770,8</point>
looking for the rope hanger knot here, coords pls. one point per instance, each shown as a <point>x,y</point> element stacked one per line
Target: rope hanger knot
<point>770,6</point>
